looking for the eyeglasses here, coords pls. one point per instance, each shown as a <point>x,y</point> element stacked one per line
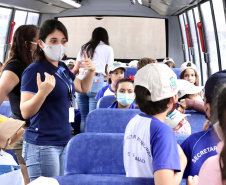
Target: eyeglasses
<point>33,42</point>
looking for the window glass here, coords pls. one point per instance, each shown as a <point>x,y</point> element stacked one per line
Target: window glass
<point>5,15</point>
<point>210,36</point>
<point>221,29</point>
<point>195,41</point>
<point>202,64</point>
<point>32,18</point>
<point>19,19</point>
<point>184,37</point>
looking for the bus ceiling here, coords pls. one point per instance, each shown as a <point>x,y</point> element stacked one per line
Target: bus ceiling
<point>162,7</point>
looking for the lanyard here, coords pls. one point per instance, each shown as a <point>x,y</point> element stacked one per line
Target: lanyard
<point>69,87</point>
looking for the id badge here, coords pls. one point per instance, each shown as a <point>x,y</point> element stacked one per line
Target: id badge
<point>71,115</point>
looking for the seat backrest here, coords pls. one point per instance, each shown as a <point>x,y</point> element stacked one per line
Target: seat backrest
<point>196,120</point>
<point>94,153</point>
<point>109,120</point>
<point>5,109</point>
<point>177,72</point>
<point>130,71</point>
<point>105,101</point>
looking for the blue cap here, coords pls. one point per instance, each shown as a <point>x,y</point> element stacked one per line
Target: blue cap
<point>213,81</point>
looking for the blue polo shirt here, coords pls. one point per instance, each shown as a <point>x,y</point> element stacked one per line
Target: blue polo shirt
<point>50,125</point>
<point>198,147</point>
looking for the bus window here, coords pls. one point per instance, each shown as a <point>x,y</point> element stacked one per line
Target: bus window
<point>19,19</point>
<point>130,37</point>
<point>32,18</point>
<point>195,41</point>
<point>221,29</point>
<point>5,15</point>
<point>202,61</point>
<point>184,37</point>
<point>210,36</point>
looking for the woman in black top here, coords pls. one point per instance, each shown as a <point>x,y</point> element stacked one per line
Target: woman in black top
<point>21,55</point>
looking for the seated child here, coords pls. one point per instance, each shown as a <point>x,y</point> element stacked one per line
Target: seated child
<point>150,147</point>
<point>169,62</point>
<point>115,73</point>
<point>144,61</point>
<point>178,122</point>
<point>124,94</point>
<point>191,91</point>
<point>188,72</point>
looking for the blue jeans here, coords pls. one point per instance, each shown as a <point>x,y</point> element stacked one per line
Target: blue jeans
<point>86,101</point>
<point>47,161</point>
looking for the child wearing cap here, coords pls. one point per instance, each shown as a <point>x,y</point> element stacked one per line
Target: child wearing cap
<point>144,61</point>
<point>188,72</point>
<point>115,73</point>
<point>124,94</point>
<point>150,147</point>
<point>169,62</point>
<point>178,122</point>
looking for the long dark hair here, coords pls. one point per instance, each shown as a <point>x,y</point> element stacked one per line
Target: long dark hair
<point>48,27</point>
<point>99,34</point>
<point>21,44</point>
<point>222,120</point>
<point>196,77</point>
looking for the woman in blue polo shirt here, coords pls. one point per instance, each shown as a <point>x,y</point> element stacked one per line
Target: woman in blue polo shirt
<point>124,94</point>
<point>46,96</point>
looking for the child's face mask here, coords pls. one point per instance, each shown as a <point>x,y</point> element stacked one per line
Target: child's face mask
<point>54,52</point>
<point>125,99</point>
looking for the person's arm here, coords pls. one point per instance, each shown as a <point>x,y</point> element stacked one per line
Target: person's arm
<point>106,69</point>
<point>8,81</point>
<point>195,105</point>
<point>170,176</point>
<point>75,69</point>
<point>84,85</point>
<point>30,103</point>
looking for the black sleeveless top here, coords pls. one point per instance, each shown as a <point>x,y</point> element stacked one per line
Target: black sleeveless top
<point>16,67</point>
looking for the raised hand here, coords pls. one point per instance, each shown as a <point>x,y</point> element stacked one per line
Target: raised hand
<point>47,86</point>
<point>87,63</point>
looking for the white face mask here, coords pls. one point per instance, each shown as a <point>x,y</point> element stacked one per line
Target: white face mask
<point>54,52</point>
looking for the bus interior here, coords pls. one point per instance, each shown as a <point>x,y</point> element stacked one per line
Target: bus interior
<point>184,30</point>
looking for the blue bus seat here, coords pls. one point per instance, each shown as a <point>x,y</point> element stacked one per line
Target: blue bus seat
<point>177,72</point>
<point>130,71</point>
<point>86,179</point>
<point>5,109</point>
<point>95,153</point>
<point>97,158</point>
<point>105,101</point>
<point>109,120</point>
<point>196,120</point>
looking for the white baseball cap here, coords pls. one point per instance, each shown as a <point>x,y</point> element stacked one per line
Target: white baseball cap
<point>133,63</point>
<point>159,79</point>
<point>70,61</point>
<point>115,65</point>
<point>168,60</point>
<point>174,118</point>
<point>188,88</point>
<point>187,65</point>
